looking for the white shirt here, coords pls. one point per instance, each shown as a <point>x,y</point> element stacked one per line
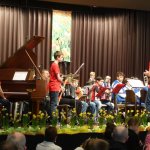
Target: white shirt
<point>47,146</point>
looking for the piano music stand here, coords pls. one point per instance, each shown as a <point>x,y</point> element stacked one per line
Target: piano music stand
<point>115,92</point>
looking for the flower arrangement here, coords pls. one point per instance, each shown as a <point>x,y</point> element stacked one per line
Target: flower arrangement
<point>110,118</point>
<point>63,118</point>
<point>5,118</point>
<point>82,118</point>
<point>90,120</point>
<point>26,119</point>
<point>143,117</point>
<point>73,119</point>
<point>118,118</point>
<point>54,119</point>
<point>102,117</point>
<point>84,122</point>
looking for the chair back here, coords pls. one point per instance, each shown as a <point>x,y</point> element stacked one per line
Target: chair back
<point>130,97</point>
<point>143,96</point>
<point>130,101</point>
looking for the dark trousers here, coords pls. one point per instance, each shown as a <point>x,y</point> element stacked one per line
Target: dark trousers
<point>73,103</point>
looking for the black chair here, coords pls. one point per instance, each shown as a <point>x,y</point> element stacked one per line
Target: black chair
<point>65,108</point>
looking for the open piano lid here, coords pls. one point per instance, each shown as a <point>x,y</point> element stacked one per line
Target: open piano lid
<point>20,59</point>
<point>17,89</point>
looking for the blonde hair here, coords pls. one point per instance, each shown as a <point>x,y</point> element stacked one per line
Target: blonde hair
<point>148,129</point>
<point>92,73</point>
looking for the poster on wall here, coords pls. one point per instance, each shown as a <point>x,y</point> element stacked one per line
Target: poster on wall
<point>61,33</point>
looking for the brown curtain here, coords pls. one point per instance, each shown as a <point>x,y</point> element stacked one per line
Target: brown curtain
<point>20,24</point>
<point>110,41</point>
<point>11,31</point>
<point>38,22</point>
<point>106,41</point>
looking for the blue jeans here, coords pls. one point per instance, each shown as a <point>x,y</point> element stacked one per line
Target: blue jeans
<point>147,101</point>
<point>110,106</point>
<point>84,106</point>
<point>53,102</point>
<point>98,106</point>
<point>92,107</point>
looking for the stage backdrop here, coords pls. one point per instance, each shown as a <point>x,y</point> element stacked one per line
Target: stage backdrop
<point>106,40</point>
<point>61,33</point>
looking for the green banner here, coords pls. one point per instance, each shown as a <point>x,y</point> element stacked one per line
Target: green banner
<point>61,33</point>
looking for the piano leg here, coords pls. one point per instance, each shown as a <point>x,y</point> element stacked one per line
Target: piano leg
<point>36,107</point>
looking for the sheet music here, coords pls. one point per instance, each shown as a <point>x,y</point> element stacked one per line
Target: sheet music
<point>135,83</point>
<point>20,75</point>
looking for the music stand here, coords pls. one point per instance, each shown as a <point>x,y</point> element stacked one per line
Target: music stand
<point>115,92</point>
<point>101,91</point>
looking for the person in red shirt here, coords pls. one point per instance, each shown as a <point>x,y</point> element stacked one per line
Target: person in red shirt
<point>93,92</point>
<point>55,82</point>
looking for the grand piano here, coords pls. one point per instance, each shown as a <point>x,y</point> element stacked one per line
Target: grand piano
<point>16,76</point>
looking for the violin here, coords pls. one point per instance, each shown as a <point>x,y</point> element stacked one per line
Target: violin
<point>62,91</point>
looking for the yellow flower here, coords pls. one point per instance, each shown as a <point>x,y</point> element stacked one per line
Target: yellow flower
<point>74,110</point>
<point>88,113</point>
<point>17,121</point>
<point>34,116</point>
<point>40,112</point>
<point>38,116</point>
<point>41,117</point>
<point>94,115</point>
<point>84,113</point>
<point>101,110</point>
<point>64,117</point>
<point>29,113</point>
<point>81,114</point>
<point>132,110</point>
<point>120,113</point>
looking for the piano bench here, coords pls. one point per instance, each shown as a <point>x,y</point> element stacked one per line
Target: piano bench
<point>65,108</point>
